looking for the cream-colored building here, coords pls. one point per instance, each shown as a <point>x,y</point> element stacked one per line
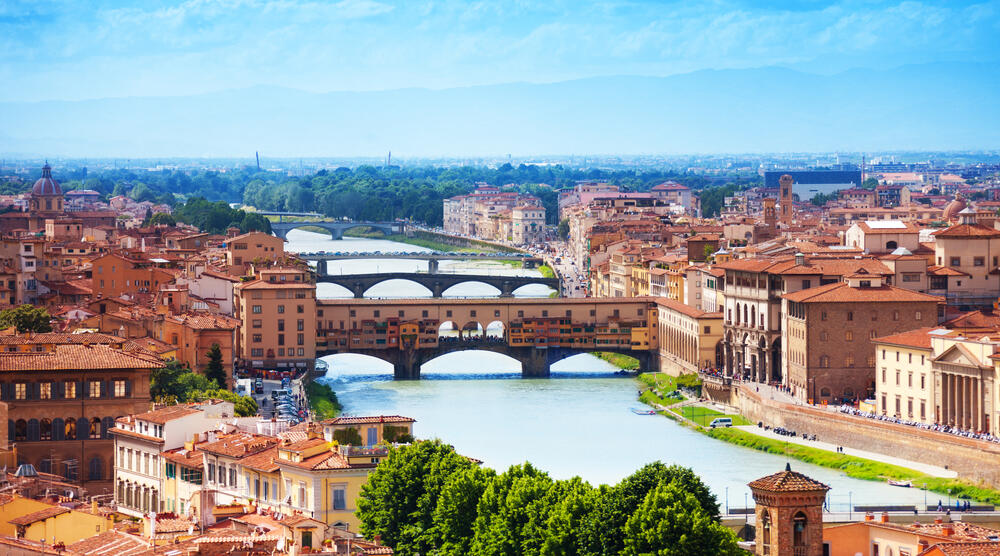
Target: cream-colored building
<point>973,250</point>
<point>527,224</point>
<point>688,337</point>
<point>882,236</point>
<point>904,379</point>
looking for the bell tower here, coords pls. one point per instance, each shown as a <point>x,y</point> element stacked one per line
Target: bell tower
<point>770,214</point>
<point>789,512</point>
<point>785,196</point>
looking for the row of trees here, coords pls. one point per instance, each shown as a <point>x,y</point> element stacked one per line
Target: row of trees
<point>176,383</point>
<point>426,499</point>
<point>216,217</point>
<point>362,193</point>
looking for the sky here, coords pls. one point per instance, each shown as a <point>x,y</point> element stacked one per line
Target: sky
<point>74,50</point>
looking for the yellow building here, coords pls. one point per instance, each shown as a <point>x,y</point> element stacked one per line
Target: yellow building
<point>323,481</point>
<point>55,524</point>
<point>15,507</point>
<point>688,337</point>
<point>372,430</point>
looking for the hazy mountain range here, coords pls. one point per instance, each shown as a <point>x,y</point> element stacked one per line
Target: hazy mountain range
<point>920,107</point>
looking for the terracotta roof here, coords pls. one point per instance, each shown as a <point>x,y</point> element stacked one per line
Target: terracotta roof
<point>294,520</point>
<point>788,481</point>
<point>840,292</point>
<point>975,319</point>
<point>968,231</point>
<point>163,415</point>
<point>110,543</point>
<point>369,420</point>
<point>262,461</point>
<point>981,548</point>
<point>935,270</point>
<point>322,461</point>
<point>133,434</point>
<point>40,515</point>
<point>918,338</point>
<point>183,456</point>
<point>74,356</point>
<point>206,321</point>
<point>684,309</point>
<point>239,444</point>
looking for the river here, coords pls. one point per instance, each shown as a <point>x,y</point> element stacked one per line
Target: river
<point>577,422</point>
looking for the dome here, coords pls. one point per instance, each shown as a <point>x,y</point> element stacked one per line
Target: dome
<point>953,208</point>
<point>902,251</point>
<point>45,184</point>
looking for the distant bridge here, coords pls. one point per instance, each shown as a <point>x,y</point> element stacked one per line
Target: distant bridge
<point>336,228</point>
<point>433,258</point>
<point>358,284</point>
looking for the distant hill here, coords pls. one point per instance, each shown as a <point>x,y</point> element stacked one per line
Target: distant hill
<point>924,107</point>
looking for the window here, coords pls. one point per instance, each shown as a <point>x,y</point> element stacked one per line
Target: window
<point>897,377</point>
<point>302,494</point>
<point>302,309</point>
<point>849,361</point>
<point>883,375</point>
<point>918,316</point>
<point>849,336</point>
<point>895,315</point>
<point>45,390</point>
<point>979,261</point>
<point>211,472</point>
<point>258,338</point>
<point>20,391</point>
<point>339,498</point>
<point>257,309</point>
<point>94,389</point>
<point>850,315</point>
<point>822,315</point>
<point>922,377</point>
<point>232,476</point>
<point>257,323</point>
<point>119,388</point>
<point>281,309</point>
<point>956,261</point>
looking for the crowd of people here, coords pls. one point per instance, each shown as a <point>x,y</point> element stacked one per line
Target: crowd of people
<point>469,339</point>
<point>947,429</point>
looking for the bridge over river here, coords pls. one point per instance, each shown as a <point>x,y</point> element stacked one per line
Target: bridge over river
<point>336,227</point>
<point>358,284</point>
<point>536,332</point>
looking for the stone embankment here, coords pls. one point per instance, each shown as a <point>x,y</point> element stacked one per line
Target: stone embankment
<point>973,460</point>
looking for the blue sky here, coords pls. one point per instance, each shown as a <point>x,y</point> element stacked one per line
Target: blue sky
<point>70,50</point>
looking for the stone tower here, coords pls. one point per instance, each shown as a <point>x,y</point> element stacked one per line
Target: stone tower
<point>789,514</point>
<point>770,214</point>
<point>785,194</point>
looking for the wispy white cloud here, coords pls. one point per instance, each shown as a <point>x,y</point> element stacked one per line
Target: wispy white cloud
<point>168,47</point>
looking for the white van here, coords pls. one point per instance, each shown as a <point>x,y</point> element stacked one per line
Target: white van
<point>721,422</point>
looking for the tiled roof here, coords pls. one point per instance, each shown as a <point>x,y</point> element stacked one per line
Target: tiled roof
<point>975,319</point>
<point>262,461</point>
<point>75,356</point>
<point>110,543</point>
<point>40,515</point>
<point>840,292</point>
<point>239,444</point>
<point>935,270</point>
<point>206,321</point>
<point>988,548</point>
<point>133,434</point>
<point>685,309</point>
<point>293,520</point>
<point>163,415</point>
<point>788,481</point>
<point>918,338</point>
<point>369,420</point>
<point>322,461</point>
<point>967,231</point>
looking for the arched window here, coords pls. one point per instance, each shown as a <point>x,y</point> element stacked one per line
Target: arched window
<point>891,245</point>
<point>58,429</point>
<point>765,524</point>
<point>745,313</point>
<point>825,392</point>
<point>21,430</point>
<point>95,427</point>
<point>45,429</point>
<point>96,469</point>
<point>120,493</point>
<point>848,392</point>
<point>106,425</point>
<point>33,432</point>
<point>799,530</point>
<point>70,429</point>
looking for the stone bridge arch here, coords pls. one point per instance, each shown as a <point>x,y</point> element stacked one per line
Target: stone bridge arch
<point>336,228</point>
<point>358,284</point>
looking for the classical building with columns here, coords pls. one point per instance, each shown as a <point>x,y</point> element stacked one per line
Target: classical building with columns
<point>940,376</point>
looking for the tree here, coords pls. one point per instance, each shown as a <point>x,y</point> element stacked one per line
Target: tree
<point>604,531</point>
<point>214,369</point>
<point>575,503</point>
<point>398,500</point>
<point>26,318</point>
<point>161,219</point>
<point>348,437</point>
<point>563,228</point>
<point>455,512</point>
<point>511,514</point>
<point>672,522</point>
<point>243,406</point>
<point>870,183</point>
<point>175,383</point>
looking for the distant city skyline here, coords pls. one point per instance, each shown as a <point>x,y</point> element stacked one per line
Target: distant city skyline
<point>65,50</point>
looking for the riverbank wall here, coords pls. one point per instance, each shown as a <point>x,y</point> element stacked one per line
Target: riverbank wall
<point>458,241</point>
<point>973,460</point>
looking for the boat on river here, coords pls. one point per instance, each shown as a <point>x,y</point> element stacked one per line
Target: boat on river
<point>895,483</point>
<point>642,411</point>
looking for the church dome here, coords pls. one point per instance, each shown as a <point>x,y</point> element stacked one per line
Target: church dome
<point>953,208</point>
<point>45,184</point>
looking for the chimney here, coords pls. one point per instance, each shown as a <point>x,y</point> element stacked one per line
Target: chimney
<point>869,517</point>
<point>948,530</point>
<point>937,520</point>
<point>93,506</point>
<point>885,517</point>
<point>800,259</point>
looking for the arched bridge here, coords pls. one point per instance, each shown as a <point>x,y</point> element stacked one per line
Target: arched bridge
<point>337,228</point>
<point>535,362</point>
<point>358,284</point>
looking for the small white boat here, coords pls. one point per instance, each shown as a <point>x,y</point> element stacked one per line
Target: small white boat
<point>640,411</point>
<point>895,483</point>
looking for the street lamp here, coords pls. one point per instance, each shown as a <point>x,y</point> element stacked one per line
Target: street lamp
<point>727,500</point>
<point>925,496</point>
<point>746,512</point>
<point>949,497</point>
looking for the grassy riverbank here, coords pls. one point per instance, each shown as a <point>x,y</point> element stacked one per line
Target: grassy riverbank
<point>656,386</point>
<point>546,271</point>
<point>858,468</point>
<point>322,400</point>
<point>618,360</point>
